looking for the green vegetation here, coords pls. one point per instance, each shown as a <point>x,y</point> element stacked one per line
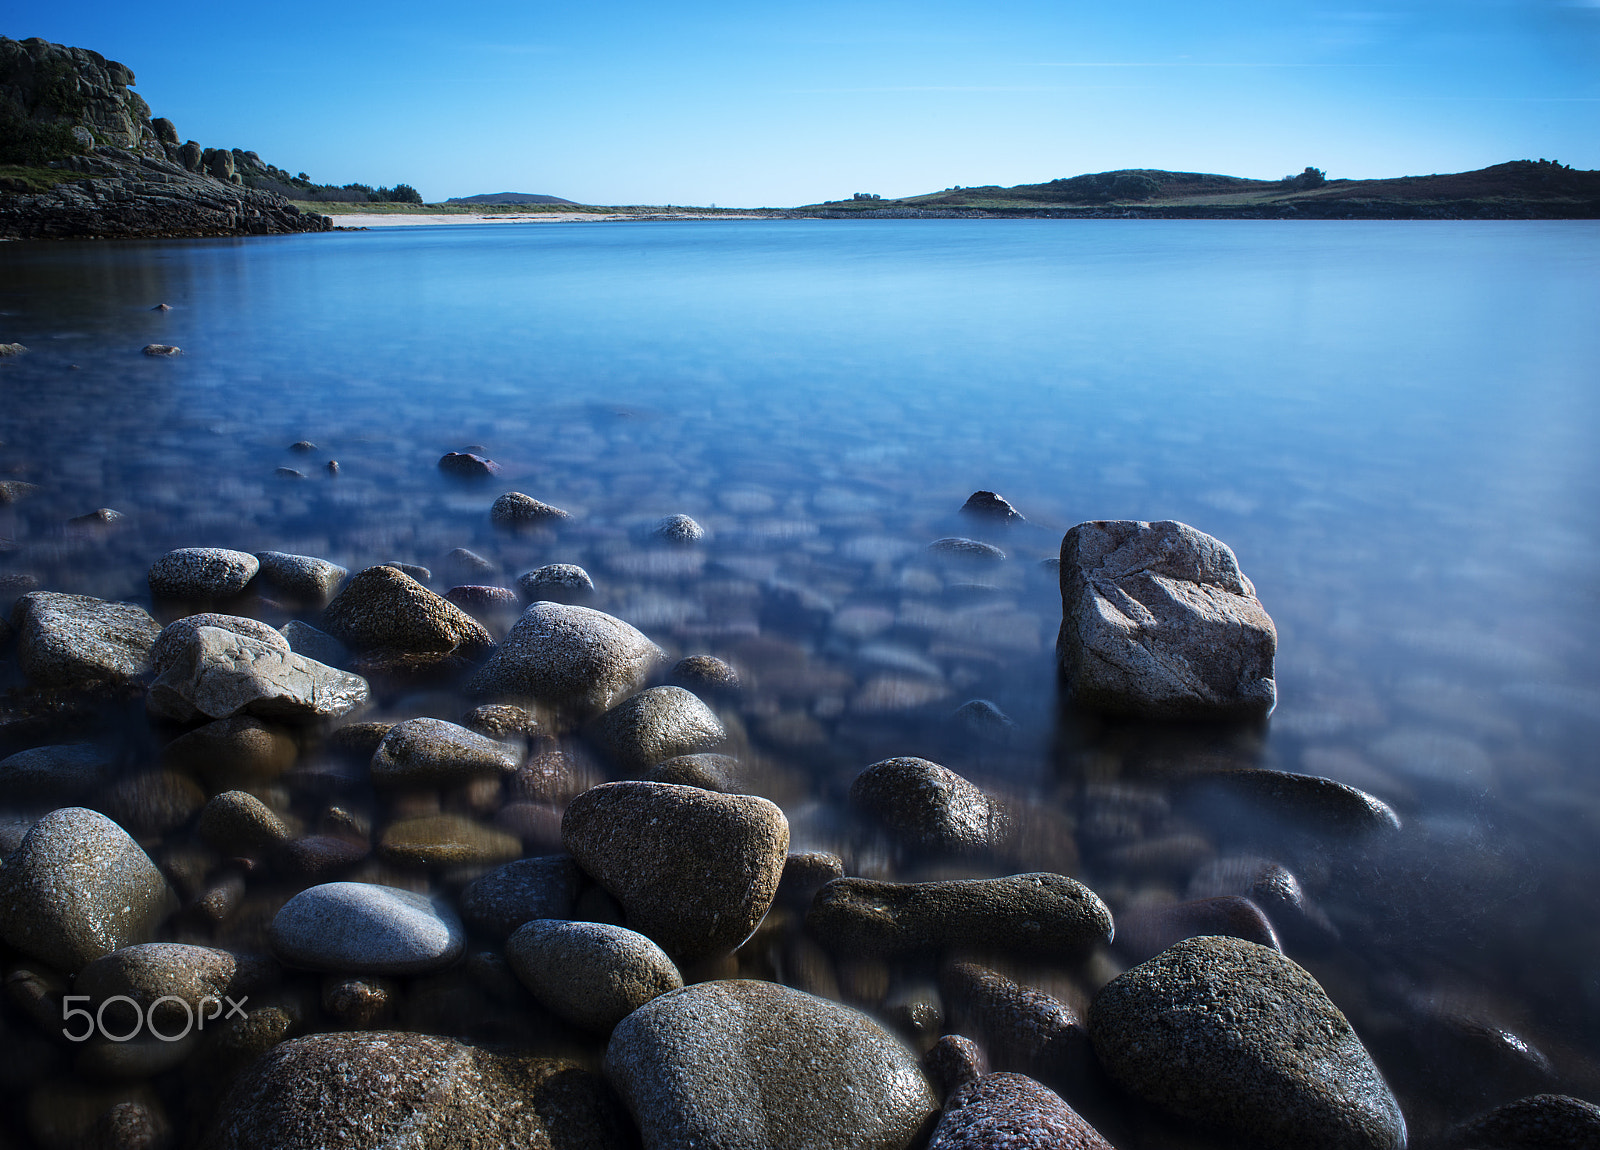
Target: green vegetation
<point>23,178</point>
<point>27,142</point>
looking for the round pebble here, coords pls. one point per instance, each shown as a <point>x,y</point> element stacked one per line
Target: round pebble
<point>202,573</point>
<point>364,928</point>
<point>590,973</point>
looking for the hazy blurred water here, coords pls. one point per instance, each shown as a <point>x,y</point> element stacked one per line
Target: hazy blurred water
<point>1392,424</point>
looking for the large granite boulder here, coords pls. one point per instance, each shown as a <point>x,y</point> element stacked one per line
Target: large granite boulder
<point>1239,1038</point>
<point>657,724</point>
<point>1159,622</point>
<point>380,1090</point>
<point>81,643</point>
<point>568,656</point>
<point>744,1065</point>
<point>694,870</point>
<point>384,609</point>
<point>421,753</point>
<point>592,974</point>
<point>219,674</point>
<point>366,928</point>
<point>928,806</point>
<point>1012,1112</point>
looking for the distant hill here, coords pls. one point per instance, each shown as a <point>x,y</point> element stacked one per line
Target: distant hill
<point>1521,189</point>
<point>509,198</point>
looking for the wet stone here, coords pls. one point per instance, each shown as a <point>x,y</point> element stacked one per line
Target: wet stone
<point>151,972</point>
<point>805,873</point>
<point>960,548</point>
<point>952,1062</point>
<point>56,775</point>
<point>364,928</point>
<point>678,529</point>
<point>708,772</point>
<point>220,674</point>
<point>467,465</point>
<point>319,857</point>
<point>480,599</point>
<point>1538,1122</point>
<point>705,675</point>
<point>418,572</point>
<point>1025,913</point>
<point>287,473</point>
<point>501,721</point>
<point>929,807</point>
<point>521,891</point>
<point>162,349</point>
<point>1305,800</point>
<point>1240,1039</point>
<point>556,583</point>
<point>359,1003</point>
<point>176,636</point>
<point>80,643</point>
<point>568,656</point>
<point>446,840</point>
<point>592,974</point>
<point>1158,621</point>
<point>236,822</point>
<point>304,639</point>
<point>228,751</point>
<point>983,720</point>
<point>1145,931</point>
<point>693,870</point>
<point>1012,1112</point>
<point>421,753</point>
<point>657,724</point>
<point>202,573</point>
<point>1022,1028</point>
<point>383,609</point>
<point>744,1065</point>
<point>78,888</point>
<point>99,517</point>
<point>149,804</point>
<point>988,507</point>
<point>514,509</point>
<point>302,577</point>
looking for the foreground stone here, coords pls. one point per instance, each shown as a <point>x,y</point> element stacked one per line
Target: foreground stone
<point>743,1065</point>
<point>54,775</point>
<point>1241,1039</point>
<point>694,870</point>
<point>654,725</point>
<point>1012,1112</point>
<point>364,928</point>
<point>568,656</point>
<point>384,609</point>
<point>164,978</point>
<point>78,888</point>
<point>592,974</point>
<point>928,806</point>
<point>380,1090</point>
<point>1046,914</point>
<point>81,643</point>
<point>202,573</point>
<point>221,674</point>
<point>436,753</point>
<point>176,636</point>
<point>519,892</point>
<point>302,577</point>
<point>1158,621</point>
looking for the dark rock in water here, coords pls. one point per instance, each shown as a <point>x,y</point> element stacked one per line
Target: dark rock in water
<point>78,888</point>
<point>967,549</point>
<point>317,858</point>
<point>990,508</point>
<point>501,721</point>
<point>150,803</point>
<point>302,446</point>
<point>1158,621</point>
<point>744,1065</point>
<point>416,571</point>
<point>364,928</point>
<point>302,577</point>
<point>177,636</point>
<point>519,892</point>
<point>359,1003</point>
<point>805,873</point>
<point>242,749</point>
<point>422,753</point>
<point>11,349</point>
<point>657,724</point>
<point>467,566</point>
<point>162,349</point>
<point>1144,932</point>
<point>694,870</point>
<point>708,772</point>
<point>1272,887</point>
<point>569,657</point>
<point>331,467</point>
<point>590,973</point>
<point>1012,1112</point>
<point>1023,1029</point>
<point>1240,1039</point>
<point>57,775</point>
<point>982,719</point>
<point>514,509</point>
<point>678,529</point>
<point>304,639</point>
<point>466,465</point>
<point>80,643</point>
<point>1538,1122</point>
<point>954,1061</point>
<point>98,518</point>
<point>154,974</point>
<point>556,583</point>
<point>202,573</point>
<point>14,490</point>
<point>929,807</point>
<point>1025,913</point>
<point>1321,804</point>
<point>382,609</point>
<point>477,598</point>
<point>375,1089</point>
<point>287,473</point>
<point>705,675</point>
<point>237,822</point>
<point>446,840</point>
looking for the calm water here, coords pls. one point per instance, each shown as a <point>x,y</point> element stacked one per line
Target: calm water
<point>1392,424</point>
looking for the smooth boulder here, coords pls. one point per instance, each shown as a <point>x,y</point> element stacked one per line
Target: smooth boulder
<point>744,1065</point>
<point>365,928</point>
<point>1159,622</point>
<point>929,807</point>
<point>502,900</point>
<point>202,573</point>
<point>220,674</point>
<point>568,656</point>
<point>1012,1112</point>
<point>302,577</point>
<point>593,974</point>
<point>78,642</point>
<point>657,724</point>
<point>384,609</point>
<point>1241,1039</point>
<point>435,753</point>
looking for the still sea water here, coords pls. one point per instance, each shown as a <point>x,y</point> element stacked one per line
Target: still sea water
<point>1393,425</point>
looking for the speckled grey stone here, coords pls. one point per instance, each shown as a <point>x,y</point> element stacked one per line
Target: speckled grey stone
<point>435,753</point>
<point>1537,1122</point>
<point>220,674</point>
<point>151,971</point>
<point>962,548</point>
<point>384,609</point>
<point>1022,1028</point>
<point>1024,913</point>
<point>56,775</point>
<point>743,1065</point>
<point>446,840</point>
<point>988,507</point>
<point>202,573</point>
<point>556,583</point>
<point>708,772</point>
<point>81,643</point>
<point>302,577</point>
<point>304,639</point>
<point>176,636</point>
<point>1158,621</point>
<point>505,898</point>
<point>952,1062</point>
<point>468,465</point>
<point>236,822</point>
<point>706,675</point>
<point>364,928</point>
<point>929,807</point>
<point>1322,804</point>
<point>694,870</point>
<point>568,656</point>
<point>382,1090</point>
<point>657,724</point>
<point>514,509</point>
<point>678,529</point>
<point>77,888</point>
<point>1012,1112</point>
<point>1239,1038</point>
<point>592,974</point>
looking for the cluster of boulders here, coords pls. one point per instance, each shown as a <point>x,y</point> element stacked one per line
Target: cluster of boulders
<point>667,968</point>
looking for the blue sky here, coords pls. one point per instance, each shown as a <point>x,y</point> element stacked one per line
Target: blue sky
<point>751,104</point>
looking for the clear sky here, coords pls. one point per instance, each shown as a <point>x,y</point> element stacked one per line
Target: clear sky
<point>751,104</point>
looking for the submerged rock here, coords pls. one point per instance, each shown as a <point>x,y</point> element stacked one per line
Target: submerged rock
<point>678,529</point>
<point>556,583</point>
<point>514,509</point>
<point>569,657</point>
<point>928,806</point>
<point>303,577</point>
<point>365,928</point>
<point>467,465</point>
<point>1158,621</point>
<point>1538,1122</point>
<point>744,1065</point>
<point>961,548</point>
<point>435,753</point>
<point>1241,1039</point>
<point>384,609</point>
<point>519,892</point>
<point>590,973</point>
<point>990,508</point>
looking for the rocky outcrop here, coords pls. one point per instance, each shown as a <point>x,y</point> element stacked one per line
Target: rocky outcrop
<point>99,166</point>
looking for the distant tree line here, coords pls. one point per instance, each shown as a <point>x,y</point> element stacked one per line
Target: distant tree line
<point>1306,180</point>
